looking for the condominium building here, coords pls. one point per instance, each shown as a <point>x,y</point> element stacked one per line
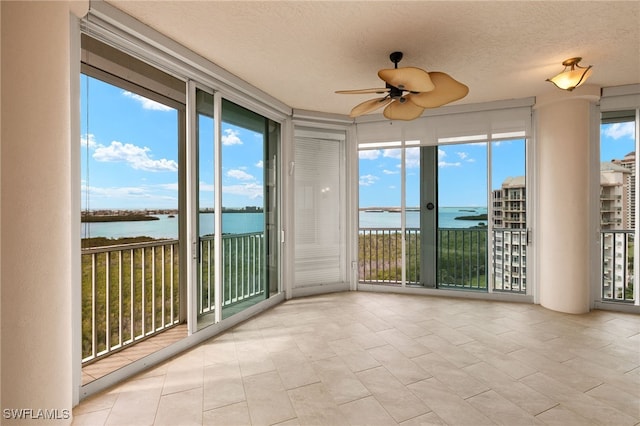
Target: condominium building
<point>629,189</point>
<point>510,235</point>
<point>617,212</point>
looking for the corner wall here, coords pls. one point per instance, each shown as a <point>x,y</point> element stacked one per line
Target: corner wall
<point>36,216</point>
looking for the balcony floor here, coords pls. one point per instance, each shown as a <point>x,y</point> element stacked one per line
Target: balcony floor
<point>126,356</point>
<point>370,358</point>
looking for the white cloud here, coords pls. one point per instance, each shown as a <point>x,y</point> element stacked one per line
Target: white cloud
<point>231,137</point>
<point>240,174</point>
<point>135,156</point>
<point>260,164</point>
<point>369,155</point>
<point>392,153</point>
<point>117,192</point>
<point>462,155</point>
<point>208,187</point>
<point>390,172</point>
<point>368,180</point>
<point>251,190</point>
<point>147,103</point>
<point>412,158</point>
<point>88,139</point>
<point>169,186</point>
<point>443,163</point>
<point>620,130</point>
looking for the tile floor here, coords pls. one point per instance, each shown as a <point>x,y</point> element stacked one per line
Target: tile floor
<point>383,359</point>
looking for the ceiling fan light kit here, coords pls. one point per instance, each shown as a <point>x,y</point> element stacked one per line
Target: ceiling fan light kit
<point>573,77</point>
<point>408,92</point>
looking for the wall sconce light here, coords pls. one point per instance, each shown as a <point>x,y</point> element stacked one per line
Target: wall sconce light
<point>572,78</point>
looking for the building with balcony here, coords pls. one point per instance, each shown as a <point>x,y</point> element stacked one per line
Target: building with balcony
<point>509,204</point>
<point>313,345</point>
<point>629,189</point>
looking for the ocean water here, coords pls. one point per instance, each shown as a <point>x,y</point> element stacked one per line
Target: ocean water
<point>167,227</point>
<point>446,218</point>
<point>240,223</point>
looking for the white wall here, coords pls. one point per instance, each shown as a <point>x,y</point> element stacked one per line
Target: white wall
<point>36,216</point>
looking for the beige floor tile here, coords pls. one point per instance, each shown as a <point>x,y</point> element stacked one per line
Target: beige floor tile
<point>460,382</point>
<point>340,382</point>
<point>93,418</point>
<point>229,415</point>
<point>456,354</point>
<point>429,419</point>
<point>315,406</point>
<point>578,402</point>
<point>368,358</point>
<point>447,405</point>
<point>501,361</point>
<point>562,416</point>
<point>500,410</point>
<point>530,400</point>
<point>406,345</point>
<point>137,402</point>
<point>399,365</point>
<point>557,370</point>
<point>222,385</point>
<point>267,399</point>
<point>366,412</point>
<point>181,408</point>
<point>625,401</point>
<point>399,401</point>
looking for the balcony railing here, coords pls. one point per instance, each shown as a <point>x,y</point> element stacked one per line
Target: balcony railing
<point>462,258</point>
<point>617,266</point>
<point>243,269</point>
<point>132,291</point>
<point>129,292</point>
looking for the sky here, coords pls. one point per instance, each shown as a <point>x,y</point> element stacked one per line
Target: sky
<point>462,169</point>
<point>130,159</point>
<point>130,154</point>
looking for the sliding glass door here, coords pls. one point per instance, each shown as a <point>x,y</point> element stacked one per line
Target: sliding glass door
<point>446,207</point>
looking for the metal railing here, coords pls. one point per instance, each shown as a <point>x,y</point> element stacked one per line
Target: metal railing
<point>132,291</point>
<point>242,269</point>
<point>129,292</point>
<point>462,258</point>
<point>617,265</point>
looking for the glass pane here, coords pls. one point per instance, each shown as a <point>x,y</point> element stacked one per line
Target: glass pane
<point>244,242</point>
<point>617,204</point>
<point>508,204</point>
<point>380,237</point>
<point>412,215</point>
<point>206,203</point>
<point>462,216</point>
<point>130,201</point>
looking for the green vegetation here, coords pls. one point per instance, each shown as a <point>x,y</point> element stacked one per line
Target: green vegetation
<point>140,293</point>
<point>129,217</point>
<point>462,255</point>
<point>473,217</point>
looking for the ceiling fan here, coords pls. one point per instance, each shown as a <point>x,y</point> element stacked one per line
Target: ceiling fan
<point>408,91</point>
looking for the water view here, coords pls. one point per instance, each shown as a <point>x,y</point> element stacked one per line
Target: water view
<point>240,223</point>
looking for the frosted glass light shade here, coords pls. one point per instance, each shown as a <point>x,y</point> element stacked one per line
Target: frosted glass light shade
<point>574,77</point>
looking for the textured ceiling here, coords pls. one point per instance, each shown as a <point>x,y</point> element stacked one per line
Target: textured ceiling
<point>300,52</point>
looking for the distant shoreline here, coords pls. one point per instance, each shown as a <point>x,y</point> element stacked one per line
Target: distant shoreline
<point>118,218</point>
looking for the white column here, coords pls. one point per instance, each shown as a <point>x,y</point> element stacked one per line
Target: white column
<point>563,158</point>
<point>37,216</point>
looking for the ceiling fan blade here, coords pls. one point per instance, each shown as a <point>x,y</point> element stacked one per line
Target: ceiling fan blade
<point>406,110</point>
<point>368,106</point>
<point>447,90</point>
<point>381,91</point>
<point>408,78</point>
